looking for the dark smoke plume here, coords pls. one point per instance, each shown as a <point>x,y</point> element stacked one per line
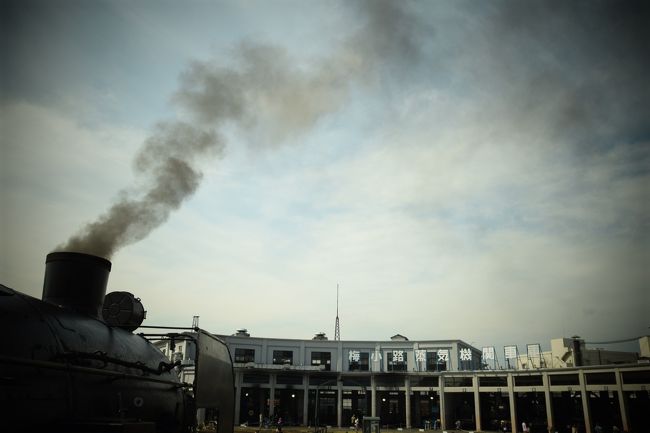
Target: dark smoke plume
<point>591,59</point>
<point>266,93</point>
<point>168,161</point>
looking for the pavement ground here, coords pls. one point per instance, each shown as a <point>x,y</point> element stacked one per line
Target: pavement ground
<point>344,430</point>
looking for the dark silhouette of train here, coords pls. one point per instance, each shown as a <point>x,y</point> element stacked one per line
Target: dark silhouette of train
<point>66,367</point>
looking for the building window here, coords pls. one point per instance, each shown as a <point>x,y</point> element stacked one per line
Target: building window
<point>434,363</point>
<point>359,361</point>
<point>244,355</point>
<point>458,381</point>
<point>288,379</point>
<point>282,357</point>
<point>528,380</point>
<point>322,358</point>
<point>397,360</point>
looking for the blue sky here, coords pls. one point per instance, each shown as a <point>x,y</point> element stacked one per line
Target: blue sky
<point>461,170</point>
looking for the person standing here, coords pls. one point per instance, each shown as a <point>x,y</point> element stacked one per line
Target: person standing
<point>524,427</point>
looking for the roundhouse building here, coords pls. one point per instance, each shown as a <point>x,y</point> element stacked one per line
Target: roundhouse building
<point>412,384</point>
<point>280,377</point>
<point>418,384</point>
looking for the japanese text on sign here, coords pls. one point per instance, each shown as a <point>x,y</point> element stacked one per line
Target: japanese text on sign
<point>533,350</point>
<point>510,352</point>
<point>488,353</point>
<point>465,355</point>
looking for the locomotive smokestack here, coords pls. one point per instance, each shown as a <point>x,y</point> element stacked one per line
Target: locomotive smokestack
<point>76,281</point>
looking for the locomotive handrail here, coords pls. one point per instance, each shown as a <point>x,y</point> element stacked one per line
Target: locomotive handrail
<point>168,335</point>
<point>102,356</point>
<point>169,327</point>
<point>90,370</point>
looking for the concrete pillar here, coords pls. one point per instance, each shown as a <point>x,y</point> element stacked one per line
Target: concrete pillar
<point>407,400</point>
<point>416,409</point>
<point>477,403</point>
<point>548,401</point>
<point>585,401</point>
<point>272,396</point>
<point>305,399</point>
<point>443,415</point>
<point>301,355</point>
<point>339,402</point>
<point>238,383</point>
<point>621,401</point>
<point>261,393</point>
<point>513,406</point>
<point>373,396</point>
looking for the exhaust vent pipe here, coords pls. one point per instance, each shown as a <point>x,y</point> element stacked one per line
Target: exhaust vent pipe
<point>577,351</point>
<point>76,281</point>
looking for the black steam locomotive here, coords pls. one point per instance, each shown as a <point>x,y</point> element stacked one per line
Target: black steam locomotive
<point>65,367</point>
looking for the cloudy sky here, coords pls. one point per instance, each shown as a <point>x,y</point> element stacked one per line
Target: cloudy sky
<point>463,170</point>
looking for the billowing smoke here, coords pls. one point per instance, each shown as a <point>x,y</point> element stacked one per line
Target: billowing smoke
<point>168,163</point>
<point>582,66</point>
<point>266,92</point>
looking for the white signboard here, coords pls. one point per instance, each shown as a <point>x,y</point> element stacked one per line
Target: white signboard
<point>510,352</point>
<point>376,356</point>
<point>533,350</point>
<point>488,353</point>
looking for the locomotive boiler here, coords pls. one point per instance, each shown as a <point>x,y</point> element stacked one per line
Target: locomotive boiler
<point>66,367</point>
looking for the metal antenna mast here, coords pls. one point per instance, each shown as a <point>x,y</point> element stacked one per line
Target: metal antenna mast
<point>337,329</point>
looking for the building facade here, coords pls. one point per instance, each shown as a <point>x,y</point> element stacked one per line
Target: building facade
<point>326,382</point>
<point>425,384</point>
